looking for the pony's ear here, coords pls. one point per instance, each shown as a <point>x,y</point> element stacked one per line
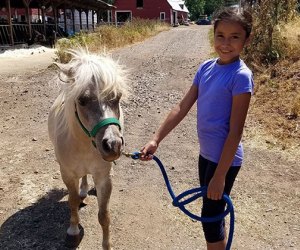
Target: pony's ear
<point>63,68</point>
<point>65,73</point>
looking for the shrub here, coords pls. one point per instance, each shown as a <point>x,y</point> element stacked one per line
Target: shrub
<point>107,37</point>
<point>295,110</point>
<point>268,44</point>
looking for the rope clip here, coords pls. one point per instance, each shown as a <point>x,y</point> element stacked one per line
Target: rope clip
<point>134,155</point>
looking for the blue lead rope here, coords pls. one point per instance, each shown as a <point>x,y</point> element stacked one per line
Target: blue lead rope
<point>194,194</point>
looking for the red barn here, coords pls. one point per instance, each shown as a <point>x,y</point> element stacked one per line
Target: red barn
<point>19,14</point>
<point>171,11</point>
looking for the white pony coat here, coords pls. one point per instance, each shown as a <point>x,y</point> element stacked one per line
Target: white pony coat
<point>92,85</point>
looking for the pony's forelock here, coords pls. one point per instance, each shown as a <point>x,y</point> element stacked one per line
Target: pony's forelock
<point>107,75</point>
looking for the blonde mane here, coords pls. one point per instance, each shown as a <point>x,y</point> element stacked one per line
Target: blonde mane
<point>107,76</point>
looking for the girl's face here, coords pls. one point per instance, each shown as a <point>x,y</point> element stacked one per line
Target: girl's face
<point>229,41</point>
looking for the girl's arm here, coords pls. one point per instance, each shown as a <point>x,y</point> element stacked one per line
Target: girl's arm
<point>173,119</point>
<point>240,105</point>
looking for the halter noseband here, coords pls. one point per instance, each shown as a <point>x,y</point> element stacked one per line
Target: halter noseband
<point>98,126</point>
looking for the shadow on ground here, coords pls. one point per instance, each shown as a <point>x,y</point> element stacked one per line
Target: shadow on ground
<point>40,226</point>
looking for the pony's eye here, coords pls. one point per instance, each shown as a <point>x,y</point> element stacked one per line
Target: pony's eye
<point>83,100</point>
<point>118,97</point>
<point>114,99</point>
<point>114,102</point>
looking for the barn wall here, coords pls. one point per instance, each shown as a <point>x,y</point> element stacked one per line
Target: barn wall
<point>18,15</point>
<point>151,9</point>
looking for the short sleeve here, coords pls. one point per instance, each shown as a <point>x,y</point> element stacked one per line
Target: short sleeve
<point>200,71</point>
<point>197,77</point>
<point>243,82</point>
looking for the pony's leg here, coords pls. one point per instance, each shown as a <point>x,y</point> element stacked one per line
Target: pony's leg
<point>84,188</point>
<point>74,202</point>
<point>104,187</point>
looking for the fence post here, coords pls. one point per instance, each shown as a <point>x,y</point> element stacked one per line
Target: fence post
<point>11,36</point>
<point>28,16</point>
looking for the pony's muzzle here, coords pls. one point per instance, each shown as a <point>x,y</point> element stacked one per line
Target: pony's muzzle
<point>112,148</point>
<point>111,145</point>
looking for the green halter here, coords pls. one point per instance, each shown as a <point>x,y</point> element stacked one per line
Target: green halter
<point>98,126</point>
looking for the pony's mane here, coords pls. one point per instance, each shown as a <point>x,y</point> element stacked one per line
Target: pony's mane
<point>107,75</point>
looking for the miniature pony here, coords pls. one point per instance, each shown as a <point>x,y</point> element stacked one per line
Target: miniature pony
<point>85,126</point>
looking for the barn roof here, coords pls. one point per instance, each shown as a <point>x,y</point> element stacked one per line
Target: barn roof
<point>178,5</point>
<point>78,4</point>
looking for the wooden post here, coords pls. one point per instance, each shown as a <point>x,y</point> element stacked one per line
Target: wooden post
<point>44,20</point>
<point>55,17</point>
<point>65,20</point>
<point>73,20</point>
<point>11,36</point>
<point>26,3</point>
<point>42,5</point>
<point>110,17</point>
<point>80,21</point>
<point>98,16</point>
<point>87,19</point>
<point>93,20</point>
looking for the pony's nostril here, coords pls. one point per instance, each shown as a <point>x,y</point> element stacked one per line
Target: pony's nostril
<point>122,139</point>
<point>111,146</point>
<point>105,145</point>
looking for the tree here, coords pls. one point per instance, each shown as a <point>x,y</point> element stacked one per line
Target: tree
<point>231,2</point>
<point>212,5</point>
<point>196,8</point>
<point>268,45</point>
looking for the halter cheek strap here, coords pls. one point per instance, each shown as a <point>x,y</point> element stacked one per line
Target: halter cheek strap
<point>98,126</point>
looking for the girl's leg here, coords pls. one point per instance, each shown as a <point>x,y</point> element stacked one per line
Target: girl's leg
<point>214,232</point>
<point>220,245</point>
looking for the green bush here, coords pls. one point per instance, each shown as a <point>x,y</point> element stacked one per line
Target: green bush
<point>268,44</point>
<point>107,37</point>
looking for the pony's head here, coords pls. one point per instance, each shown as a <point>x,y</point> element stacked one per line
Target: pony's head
<point>92,87</point>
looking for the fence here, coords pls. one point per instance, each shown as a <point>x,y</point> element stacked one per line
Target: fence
<point>21,33</point>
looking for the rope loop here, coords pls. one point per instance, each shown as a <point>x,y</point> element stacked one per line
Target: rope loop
<point>194,193</point>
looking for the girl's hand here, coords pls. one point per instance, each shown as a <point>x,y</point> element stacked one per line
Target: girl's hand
<point>148,150</point>
<point>215,188</point>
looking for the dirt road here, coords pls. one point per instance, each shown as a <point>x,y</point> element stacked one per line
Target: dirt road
<point>33,208</point>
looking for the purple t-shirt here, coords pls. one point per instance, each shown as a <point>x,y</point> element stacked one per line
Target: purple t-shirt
<point>217,84</point>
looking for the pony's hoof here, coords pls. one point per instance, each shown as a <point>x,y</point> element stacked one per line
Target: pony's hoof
<point>82,197</point>
<point>73,241</point>
<point>82,204</point>
<point>93,192</point>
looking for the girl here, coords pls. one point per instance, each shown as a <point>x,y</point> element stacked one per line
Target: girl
<point>222,88</point>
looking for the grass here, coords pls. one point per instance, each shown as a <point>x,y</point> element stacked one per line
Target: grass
<point>291,34</point>
<point>108,37</point>
<point>276,103</point>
